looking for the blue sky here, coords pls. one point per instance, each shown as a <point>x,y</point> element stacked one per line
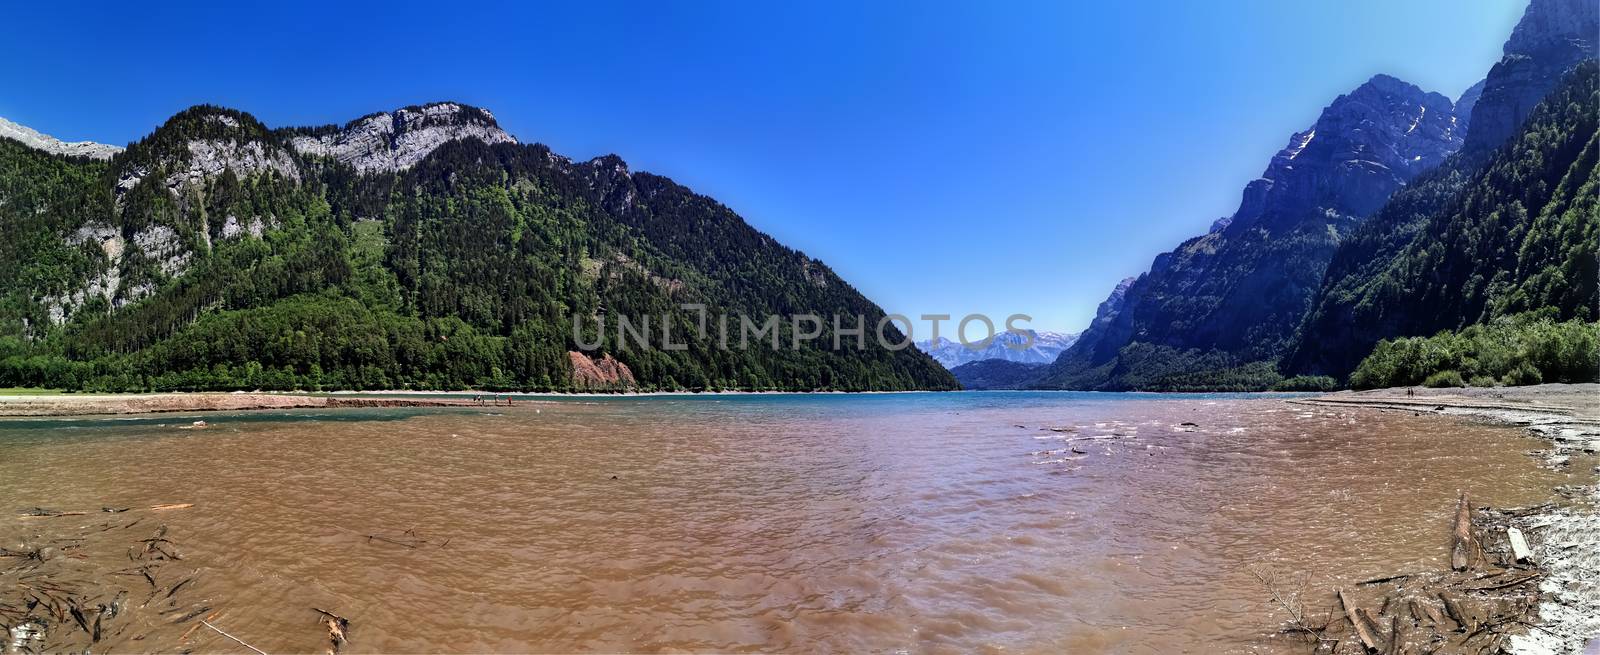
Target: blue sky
<point>943,157</point>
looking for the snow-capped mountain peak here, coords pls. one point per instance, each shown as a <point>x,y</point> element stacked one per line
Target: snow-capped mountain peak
<point>1044,348</point>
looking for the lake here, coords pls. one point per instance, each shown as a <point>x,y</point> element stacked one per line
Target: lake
<point>920,522</point>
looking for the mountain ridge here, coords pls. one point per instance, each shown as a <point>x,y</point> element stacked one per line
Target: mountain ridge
<point>1044,348</point>
<point>1235,294</point>
<point>415,252</point>
<point>38,140</point>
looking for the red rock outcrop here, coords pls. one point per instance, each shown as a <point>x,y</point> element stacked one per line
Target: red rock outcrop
<point>603,373</point>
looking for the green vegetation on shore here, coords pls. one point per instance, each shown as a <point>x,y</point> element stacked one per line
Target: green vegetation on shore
<point>28,391</point>
<point>1517,350</point>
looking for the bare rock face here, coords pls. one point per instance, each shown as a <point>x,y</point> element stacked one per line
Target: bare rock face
<point>202,143</point>
<point>1552,37</point>
<point>1239,291</point>
<point>603,373</point>
<point>209,158</point>
<point>1366,144</point>
<point>1465,104</point>
<point>50,144</point>
<point>397,140</point>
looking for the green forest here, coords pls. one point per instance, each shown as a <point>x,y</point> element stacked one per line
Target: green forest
<point>1494,245</point>
<point>1513,350</point>
<point>1482,271</point>
<point>296,272</point>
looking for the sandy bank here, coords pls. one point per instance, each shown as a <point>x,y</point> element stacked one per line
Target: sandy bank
<point>1565,539</point>
<point>80,405</point>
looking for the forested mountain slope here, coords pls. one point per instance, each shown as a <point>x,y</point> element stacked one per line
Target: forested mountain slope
<point>1215,312</point>
<point>419,248</point>
<point>1309,286</point>
<point>1484,238</point>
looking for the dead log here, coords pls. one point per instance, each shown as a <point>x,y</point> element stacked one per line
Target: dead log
<point>1396,639</point>
<point>1453,609</point>
<point>1465,552</point>
<point>1509,583</point>
<point>1366,629</point>
<point>1426,612</point>
<point>1382,580</point>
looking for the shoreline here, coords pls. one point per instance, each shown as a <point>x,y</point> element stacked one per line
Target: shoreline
<point>1565,536</point>
<point>159,403</point>
<point>88,404</point>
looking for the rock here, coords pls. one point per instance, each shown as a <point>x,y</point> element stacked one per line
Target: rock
<point>397,140</point>
<point>209,158</point>
<point>605,372</point>
<point>1552,36</point>
<point>33,139</point>
<point>1250,279</point>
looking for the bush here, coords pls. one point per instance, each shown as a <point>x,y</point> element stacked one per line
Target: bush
<point>1524,349</point>
<point>1307,383</point>
<point>1524,373</point>
<point>1444,379</point>
<point>1483,381</point>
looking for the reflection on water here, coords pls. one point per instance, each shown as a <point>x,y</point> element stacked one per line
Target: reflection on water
<point>927,522</point>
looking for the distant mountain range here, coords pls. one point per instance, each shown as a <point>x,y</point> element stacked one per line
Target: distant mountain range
<point>1300,280</point>
<point>1042,348</point>
<point>417,248</point>
<point>989,374</point>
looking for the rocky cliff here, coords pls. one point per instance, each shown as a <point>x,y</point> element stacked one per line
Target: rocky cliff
<point>33,139</point>
<point>397,140</point>
<point>1487,237</point>
<point>1552,37</point>
<point>1236,294</point>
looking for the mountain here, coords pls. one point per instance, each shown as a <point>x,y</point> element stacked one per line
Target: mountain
<point>418,248</point>
<point>1551,38</point>
<point>986,374</point>
<point>1485,240</point>
<point>1465,104</point>
<point>397,140</point>
<point>1453,244</point>
<point>1042,348</point>
<point>33,139</point>
<point>1222,306</point>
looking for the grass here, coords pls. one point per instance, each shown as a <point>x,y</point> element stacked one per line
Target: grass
<point>28,391</point>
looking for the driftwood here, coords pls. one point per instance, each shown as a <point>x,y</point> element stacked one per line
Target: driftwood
<point>210,617</point>
<point>1366,629</point>
<point>1464,549</point>
<point>1519,545</point>
<point>48,605</point>
<point>1489,593</point>
<point>42,513</point>
<point>408,539</point>
<point>235,639</point>
<point>338,630</point>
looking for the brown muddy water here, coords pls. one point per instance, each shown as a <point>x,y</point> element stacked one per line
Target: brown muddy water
<point>899,522</point>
